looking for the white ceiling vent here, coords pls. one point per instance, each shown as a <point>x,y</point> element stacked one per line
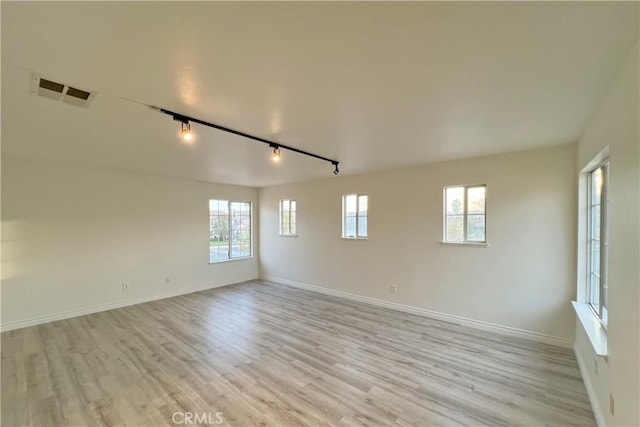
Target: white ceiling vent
<point>60,92</point>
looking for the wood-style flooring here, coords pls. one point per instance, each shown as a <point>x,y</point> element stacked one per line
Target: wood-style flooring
<point>264,354</point>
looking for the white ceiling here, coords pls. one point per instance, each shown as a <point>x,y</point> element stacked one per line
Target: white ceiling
<point>374,85</point>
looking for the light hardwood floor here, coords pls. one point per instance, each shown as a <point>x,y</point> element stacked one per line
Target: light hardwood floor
<point>262,354</point>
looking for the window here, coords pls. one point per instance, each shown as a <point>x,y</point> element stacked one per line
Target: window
<point>464,214</point>
<point>354,216</point>
<point>597,240</point>
<point>288,218</point>
<point>229,230</point>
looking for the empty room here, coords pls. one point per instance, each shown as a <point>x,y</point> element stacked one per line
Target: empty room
<point>186,233</point>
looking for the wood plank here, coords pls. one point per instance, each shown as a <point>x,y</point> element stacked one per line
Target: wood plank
<point>264,354</point>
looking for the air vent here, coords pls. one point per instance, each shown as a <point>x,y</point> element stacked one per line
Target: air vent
<point>47,88</point>
<point>60,92</point>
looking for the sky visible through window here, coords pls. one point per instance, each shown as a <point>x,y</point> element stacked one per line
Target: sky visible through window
<point>356,209</point>
<point>229,230</point>
<point>457,214</point>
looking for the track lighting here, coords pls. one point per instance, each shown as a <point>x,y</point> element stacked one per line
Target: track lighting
<point>276,153</point>
<point>185,131</point>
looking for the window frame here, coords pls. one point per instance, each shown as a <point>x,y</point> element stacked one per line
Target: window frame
<point>357,216</point>
<point>601,311</point>
<point>229,222</point>
<point>465,214</point>
<point>295,215</point>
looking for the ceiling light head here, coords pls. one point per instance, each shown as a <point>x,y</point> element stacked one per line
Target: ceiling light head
<point>185,131</point>
<point>275,156</point>
<point>336,171</point>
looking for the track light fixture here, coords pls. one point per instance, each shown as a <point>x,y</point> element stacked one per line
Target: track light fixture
<point>276,153</point>
<point>185,132</point>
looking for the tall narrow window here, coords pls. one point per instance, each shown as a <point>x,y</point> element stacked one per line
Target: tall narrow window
<point>288,218</point>
<point>597,241</point>
<point>229,230</point>
<point>355,209</point>
<point>464,214</point>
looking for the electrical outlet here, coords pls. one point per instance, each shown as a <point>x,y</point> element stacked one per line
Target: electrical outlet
<point>611,403</point>
<point>393,289</point>
<point>595,366</point>
<point>125,287</point>
<point>167,280</point>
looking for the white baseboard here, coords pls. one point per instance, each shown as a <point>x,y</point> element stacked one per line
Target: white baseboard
<point>478,324</point>
<point>109,306</point>
<point>588,385</point>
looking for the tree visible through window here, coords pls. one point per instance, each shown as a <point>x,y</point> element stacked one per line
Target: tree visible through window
<point>464,214</point>
<point>288,218</point>
<point>229,230</point>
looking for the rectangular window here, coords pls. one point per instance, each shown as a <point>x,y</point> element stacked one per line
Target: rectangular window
<point>464,214</point>
<point>288,218</point>
<point>229,230</point>
<point>354,216</point>
<point>597,240</point>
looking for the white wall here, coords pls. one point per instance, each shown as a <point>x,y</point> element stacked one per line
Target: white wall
<point>616,124</point>
<point>525,279</point>
<point>72,236</point>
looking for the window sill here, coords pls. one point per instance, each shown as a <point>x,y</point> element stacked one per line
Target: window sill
<point>354,238</point>
<point>596,333</point>
<point>288,235</point>
<point>244,258</point>
<point>479,244</point>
